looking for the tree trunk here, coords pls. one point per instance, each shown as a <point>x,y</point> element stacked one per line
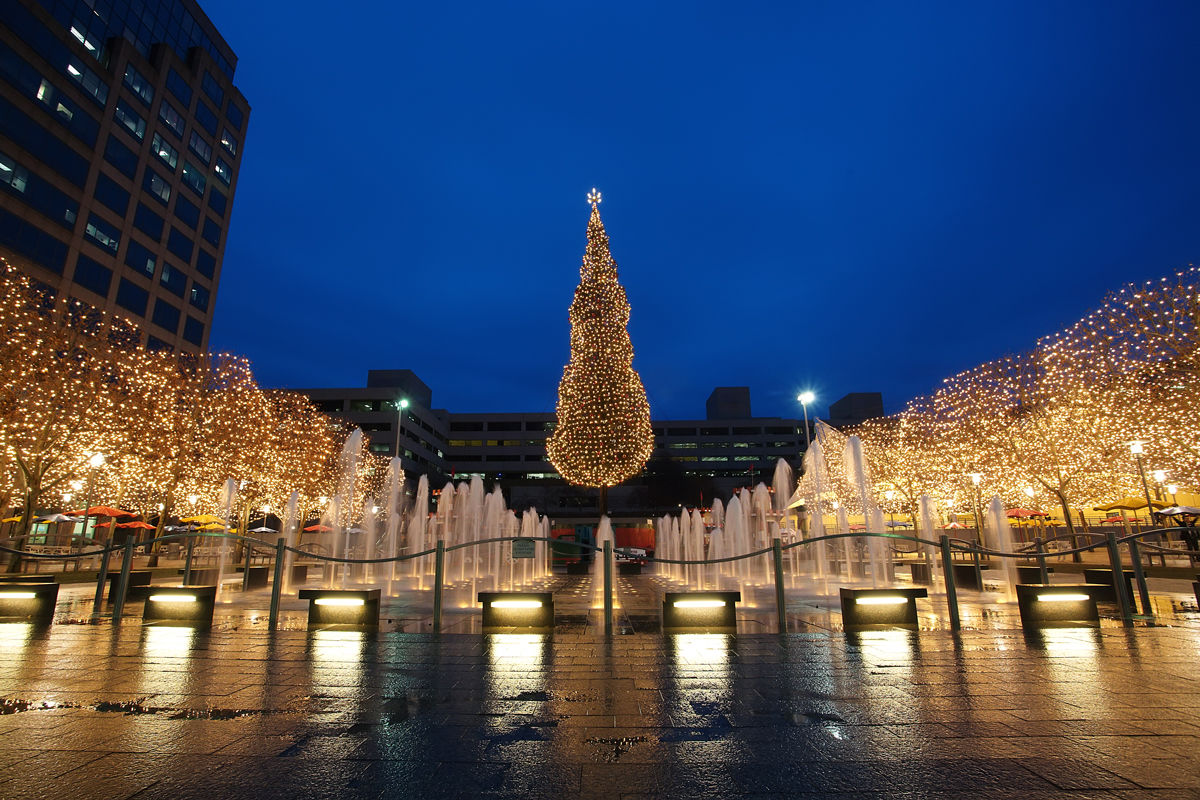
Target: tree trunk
<point>1062,500</point>
<point>603,502</point>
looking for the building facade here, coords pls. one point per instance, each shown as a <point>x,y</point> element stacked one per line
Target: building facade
<point>693,460</point>
<point>121,138</point>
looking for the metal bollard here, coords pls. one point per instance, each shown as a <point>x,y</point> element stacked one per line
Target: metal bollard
<point>187,563</point>
<point>1041,559</point>
<point>439,567</point>
<point>101,579</point>
<point>951,590</point>
<point>277,586</point>
<point>1140,576</point>
<point>123,582</point>
<point>608,589</point>
<point>1118,578</point>
<point>246,567</point>
<point>780,597</point>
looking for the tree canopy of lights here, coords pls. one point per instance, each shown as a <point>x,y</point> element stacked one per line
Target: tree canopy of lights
<point>172,428</point>
<point>1051,428</point>
<point>603,434</point>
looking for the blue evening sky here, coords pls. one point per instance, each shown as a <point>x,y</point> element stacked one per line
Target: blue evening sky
<point>838,196</point>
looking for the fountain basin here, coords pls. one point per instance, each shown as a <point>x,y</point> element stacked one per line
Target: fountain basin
<point>874,608</point>
<point>692,612</point>
<point>354,607</point>
<point>28,601</point>
<point>529,611</point>
<point>1104,588</point>
<point>1060,605</point>
<point>181,604</point>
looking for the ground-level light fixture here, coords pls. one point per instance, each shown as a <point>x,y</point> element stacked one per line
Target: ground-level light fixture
<point>28,600</point>
<point>696,612</point>
<point>181,605</point>
<point>869,609</point>
<point>1064,605</point>
<point>357,608</point>
<point>517,612</point>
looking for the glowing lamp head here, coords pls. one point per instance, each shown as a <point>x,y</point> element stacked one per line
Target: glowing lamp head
<point>881,600</point>
<point>890,494</point>
<point>1028,490</point>
<point>1136,448</point>
<point>806,397</point>
<point>96,461</point>
<point>1160,475</point>
<point>976,478</point>
<point>403,402</point>
<point>1172,489</point>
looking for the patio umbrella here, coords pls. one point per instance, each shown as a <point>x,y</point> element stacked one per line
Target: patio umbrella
<point>1129,504</point>
<point>957,526</point>
<point>55,518</point>
<point>1175,511</point>
<point>263,529</point>
<point>202,519</point>
<point>101,511</point>
<point>12,519</point>
<point>318,529</point>
<point>136,524</point>
<point>1024,512</point>
<point>212,526</point>
<point>900,524</point>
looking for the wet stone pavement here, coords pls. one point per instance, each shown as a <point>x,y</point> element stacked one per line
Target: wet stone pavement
<point>96,711</point>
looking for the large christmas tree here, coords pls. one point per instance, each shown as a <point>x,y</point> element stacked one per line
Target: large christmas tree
<point>603,434</point>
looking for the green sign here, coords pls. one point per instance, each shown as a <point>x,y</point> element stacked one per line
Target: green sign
<point>523,548</point>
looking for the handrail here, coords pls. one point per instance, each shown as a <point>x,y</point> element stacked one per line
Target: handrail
<point>956,544</point>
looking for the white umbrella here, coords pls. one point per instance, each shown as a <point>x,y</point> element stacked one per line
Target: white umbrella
<point>263,529</point>
<point>56,518</point>
<point>1175,511</point>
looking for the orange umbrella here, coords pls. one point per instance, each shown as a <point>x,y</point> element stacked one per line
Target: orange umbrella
<point>1024,512</point>
<point>317,529</point>
<point>136,524</point>
<point>101,511</point>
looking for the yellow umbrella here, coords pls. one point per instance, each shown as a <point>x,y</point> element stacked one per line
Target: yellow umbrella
<point>1130,504</point>
<point>212,526</point>
<point>203,519</point>
<point>12,519</point>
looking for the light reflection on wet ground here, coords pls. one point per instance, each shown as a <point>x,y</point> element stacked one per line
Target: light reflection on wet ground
<point>147,711</point>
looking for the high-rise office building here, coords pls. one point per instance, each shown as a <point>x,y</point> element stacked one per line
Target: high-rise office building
<point>121,135</point>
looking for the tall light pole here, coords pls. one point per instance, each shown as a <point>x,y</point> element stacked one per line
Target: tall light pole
<point>1136,448</point>
<point>888,495</point>
<point>805,398</point>
<point>400,404</point>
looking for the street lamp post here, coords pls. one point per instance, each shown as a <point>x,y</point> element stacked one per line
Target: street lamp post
<point>1136,449</point>
<point>805,398</point>
<point>401,404</point>
<point>1160,477</point>
<point>888,495</point>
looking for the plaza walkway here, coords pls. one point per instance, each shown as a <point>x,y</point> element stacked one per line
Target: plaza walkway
<point>96,711</point>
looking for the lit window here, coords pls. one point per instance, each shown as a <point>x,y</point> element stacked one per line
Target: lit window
<point>103,234</point>
<point>171,117</point>
<point>193,178</point>
<point>228,142</point>
<point>137,83</point>
<point>168,154</point>
<point>130,119</point>
<point>200,147</point>
<point>13,175</point>
<point>223,171</point>
<point>157,186</point>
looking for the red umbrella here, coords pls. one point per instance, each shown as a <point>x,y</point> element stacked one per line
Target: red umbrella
<point>136,524</point>
<point>1024,512</point>
<point>317,529</point>
<point>101,511</point>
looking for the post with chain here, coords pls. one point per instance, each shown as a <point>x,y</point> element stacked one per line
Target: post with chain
<point>951,589</point>
<point>780,597</point>
<point>101,579</point>
<point>1120,589</point>
<point>608,588</point>
<point>277,586</point>
<point>123,581</point>
<point>439,568</point>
